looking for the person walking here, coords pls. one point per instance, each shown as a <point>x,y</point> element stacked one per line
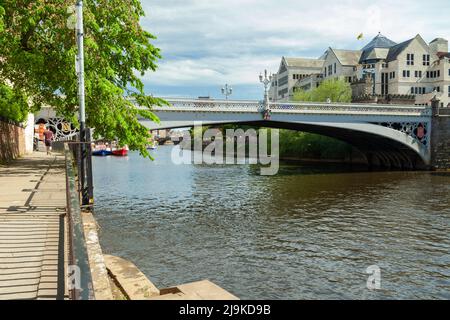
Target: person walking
<point>48,134</point>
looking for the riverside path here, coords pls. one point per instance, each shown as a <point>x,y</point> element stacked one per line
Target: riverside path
<point>32,214</point>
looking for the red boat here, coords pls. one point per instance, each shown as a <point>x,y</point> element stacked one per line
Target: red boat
<point>120,152</point>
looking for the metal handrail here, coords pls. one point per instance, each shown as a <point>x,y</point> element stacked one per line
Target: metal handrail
<point>80,285</point>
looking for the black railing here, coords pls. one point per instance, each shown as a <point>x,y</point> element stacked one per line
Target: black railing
<point>79,271</point>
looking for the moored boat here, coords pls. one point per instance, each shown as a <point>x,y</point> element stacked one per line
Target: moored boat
<point>120,152</point>
<point>101,153</point>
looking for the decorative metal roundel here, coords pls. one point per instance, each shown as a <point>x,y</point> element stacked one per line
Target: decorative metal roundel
<point>62,129</point>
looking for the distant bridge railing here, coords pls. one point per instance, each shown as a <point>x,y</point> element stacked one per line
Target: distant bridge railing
<point>192,105</point>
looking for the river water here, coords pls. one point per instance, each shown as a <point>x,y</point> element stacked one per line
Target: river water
<point>306,233</point>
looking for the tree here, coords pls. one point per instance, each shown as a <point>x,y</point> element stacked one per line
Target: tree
<point>37,54</point>
<point>2,12</point>
<point>13,104</point>
<point>336,90</point>
<point>308,145</point>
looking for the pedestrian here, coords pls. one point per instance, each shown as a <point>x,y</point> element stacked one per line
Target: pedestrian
<point>48,134</point>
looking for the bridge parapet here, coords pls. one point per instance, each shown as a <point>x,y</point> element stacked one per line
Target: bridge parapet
<point>190,105</point>
<point>344,108</point>
<point>211,105</point>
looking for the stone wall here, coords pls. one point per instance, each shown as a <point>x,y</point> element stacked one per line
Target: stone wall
<point>440,143</point>
<point>12,141</point>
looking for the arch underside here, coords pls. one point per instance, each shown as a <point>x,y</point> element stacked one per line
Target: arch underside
<point>378,150</point>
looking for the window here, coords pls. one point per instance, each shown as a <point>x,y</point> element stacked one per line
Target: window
<point>335,68</point>
<point>406,73</point>
<point>283,81</point>
<point>449,91</point>
<point>412,90</point>
<point>410,59</point>
<point>384,83</point>
<point>438,75</point>
<point>330,70</point>
<point>426,59</point>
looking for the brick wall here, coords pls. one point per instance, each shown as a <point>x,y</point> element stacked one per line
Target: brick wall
<point>440,143</point>
<point>12,141</point>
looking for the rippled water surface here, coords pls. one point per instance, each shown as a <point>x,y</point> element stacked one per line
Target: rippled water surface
<point>307,233</point>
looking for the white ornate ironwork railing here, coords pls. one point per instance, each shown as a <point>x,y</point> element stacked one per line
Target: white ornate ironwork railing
<point>318,108</point>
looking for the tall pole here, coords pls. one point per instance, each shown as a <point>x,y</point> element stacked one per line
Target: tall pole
<point>81,97</point>
<point>266,80</point>
<point>80,42</point>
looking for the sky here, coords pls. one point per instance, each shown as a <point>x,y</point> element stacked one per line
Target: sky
<point>208,43</point>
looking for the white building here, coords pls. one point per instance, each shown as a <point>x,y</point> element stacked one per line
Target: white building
<point>411,68</point>
<point>291,71</point>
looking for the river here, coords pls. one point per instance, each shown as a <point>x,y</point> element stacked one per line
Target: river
<point>306,233</point>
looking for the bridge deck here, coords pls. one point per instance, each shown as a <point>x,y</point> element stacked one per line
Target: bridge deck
<point>32,202</point>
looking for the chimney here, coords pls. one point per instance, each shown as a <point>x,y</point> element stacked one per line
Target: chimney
<point>438,45</point>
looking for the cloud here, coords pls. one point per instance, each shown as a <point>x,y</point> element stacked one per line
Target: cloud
<point>212,42</point>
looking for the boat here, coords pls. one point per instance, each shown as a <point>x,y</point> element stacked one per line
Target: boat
<point>101,153</point>
<point>120,152</point>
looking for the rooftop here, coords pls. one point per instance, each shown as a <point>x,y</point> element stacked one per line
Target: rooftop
<point>347,57</point>
<point>397,49</point>
<point>304,62</point>
<point>377,48</point>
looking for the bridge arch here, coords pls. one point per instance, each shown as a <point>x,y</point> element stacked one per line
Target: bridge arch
<point>381,146</point>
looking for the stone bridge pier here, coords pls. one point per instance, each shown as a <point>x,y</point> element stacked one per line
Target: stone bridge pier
<point>440,138</point>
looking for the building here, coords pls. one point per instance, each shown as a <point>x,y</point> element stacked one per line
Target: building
<point>291,71</point>
<point>412,70</point>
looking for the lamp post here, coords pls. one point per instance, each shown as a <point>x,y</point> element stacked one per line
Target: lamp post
<point>227,91</point>
<point>265,80</point>
<point>80,67</point>
<point>85,164</point>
